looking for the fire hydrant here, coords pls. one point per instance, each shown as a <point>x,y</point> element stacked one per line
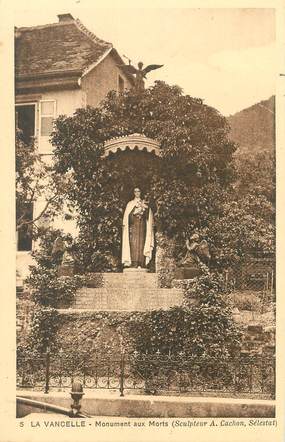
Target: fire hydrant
<point>76,394</point>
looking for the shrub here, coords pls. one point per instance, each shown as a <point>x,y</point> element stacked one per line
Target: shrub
<point>245,301</point>
<point>47,288</point>
<point>49,291</point>
<point>45,323</point>
<point>205,329</point>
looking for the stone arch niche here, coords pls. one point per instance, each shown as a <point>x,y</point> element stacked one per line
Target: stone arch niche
<point>139,158</point>
<point>141,146</point>
<point>133,142</point>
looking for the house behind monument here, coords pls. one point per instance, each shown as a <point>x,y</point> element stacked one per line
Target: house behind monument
<point>59,68</point>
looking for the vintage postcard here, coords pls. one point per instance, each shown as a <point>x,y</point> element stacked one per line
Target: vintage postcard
<point>142,228</point>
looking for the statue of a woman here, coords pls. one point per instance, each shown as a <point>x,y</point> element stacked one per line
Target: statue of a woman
<point>138,237</point>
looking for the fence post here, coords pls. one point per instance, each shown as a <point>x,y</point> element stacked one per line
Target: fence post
<point>226,279</point>
<point>273,389</point>
<point>47,370</point>
<point>122,373</point>
<point>272,285</point>
<point>23,371</point>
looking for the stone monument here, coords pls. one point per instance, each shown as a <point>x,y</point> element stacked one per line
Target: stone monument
<point>138,235</point>
<point>139,73</point>
<point>197,252</point>
<point>136,288</point>
<point>61,251</point>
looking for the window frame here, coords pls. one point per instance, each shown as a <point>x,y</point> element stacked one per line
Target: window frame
<point>36,127</point>
<point>46,137</point>
<point>29,103</point>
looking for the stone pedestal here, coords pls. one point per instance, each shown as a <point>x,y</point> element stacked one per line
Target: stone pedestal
<point>135,270</point>
<point>132,290</point>
<point>187,272</point>
<point>66,270</point>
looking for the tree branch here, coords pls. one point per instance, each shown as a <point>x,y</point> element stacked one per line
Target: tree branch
<point>34,220</point>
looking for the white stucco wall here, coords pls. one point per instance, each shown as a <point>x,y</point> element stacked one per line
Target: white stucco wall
<point>94,87</point>
<point>66,102</point>
<point>102,79</point>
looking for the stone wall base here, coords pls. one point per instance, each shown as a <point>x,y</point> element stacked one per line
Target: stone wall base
<point>129,291</point>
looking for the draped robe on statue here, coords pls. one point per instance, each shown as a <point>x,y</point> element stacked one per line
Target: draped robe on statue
<point>138,237</point>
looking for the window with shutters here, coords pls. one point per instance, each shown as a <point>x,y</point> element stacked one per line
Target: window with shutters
<point>47,115</point>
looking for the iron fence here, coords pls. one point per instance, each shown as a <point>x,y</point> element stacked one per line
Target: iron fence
<point>253,376</point>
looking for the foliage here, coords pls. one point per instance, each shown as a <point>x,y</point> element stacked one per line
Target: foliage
<point>166,265</point>
<point>202,329</point>
<point>51,290</point>
<point>95,333</point>
<point>184,186</point>
<point>241,230</point>
<point>194,186</point>
<point>47,288</point>
<point>35,180</point>
<point>246,301</point>
<point>207,288</point>
<point>45,323</point>
<point>205,329</point>
<point>256,172</point>
<point>246,222</point>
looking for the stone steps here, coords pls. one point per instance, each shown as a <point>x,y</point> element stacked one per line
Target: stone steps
<point>121,280</point>
<point>259,339</point>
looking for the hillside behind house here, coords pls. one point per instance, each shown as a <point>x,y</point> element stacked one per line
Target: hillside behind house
<point>253,128</point>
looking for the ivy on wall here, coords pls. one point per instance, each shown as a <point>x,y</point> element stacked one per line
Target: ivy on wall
<point>204,329</point>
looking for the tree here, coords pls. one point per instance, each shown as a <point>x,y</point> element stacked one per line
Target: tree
<point>256,176</point>
<point>185,187</point>
<point>35,180</point>
<point>198,185</point>
<point>247,221</point>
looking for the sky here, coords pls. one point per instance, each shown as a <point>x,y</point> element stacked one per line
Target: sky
<point>227,57</point>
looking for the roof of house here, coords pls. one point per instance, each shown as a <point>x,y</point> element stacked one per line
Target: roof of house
<point>58,49</point>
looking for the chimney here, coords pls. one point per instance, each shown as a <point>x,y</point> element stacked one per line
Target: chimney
<point>17,32</point>
<point>63,18</point>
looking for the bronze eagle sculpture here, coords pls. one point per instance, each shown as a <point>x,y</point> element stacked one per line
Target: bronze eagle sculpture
<point>140,73</point>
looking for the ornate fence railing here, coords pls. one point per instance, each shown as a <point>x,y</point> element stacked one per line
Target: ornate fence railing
<point>252,376</point>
